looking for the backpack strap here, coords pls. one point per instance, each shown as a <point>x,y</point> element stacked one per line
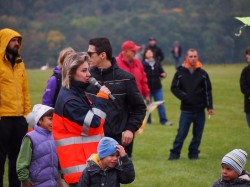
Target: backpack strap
<point>58,86</point>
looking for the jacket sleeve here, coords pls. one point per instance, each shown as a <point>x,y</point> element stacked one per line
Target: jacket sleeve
<point>85,115</point>
<point>49,92</point>
<point>144,82</point>
<point>26,94</point>
<point>244,86</point>
<point>127,173</point>
<point>23,161</point>
<point>208,88</point>
<point>137,107</point>
<point>176,89</point>
<point>84,179</point>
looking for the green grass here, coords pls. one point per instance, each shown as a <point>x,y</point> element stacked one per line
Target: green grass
<point>226,130</point>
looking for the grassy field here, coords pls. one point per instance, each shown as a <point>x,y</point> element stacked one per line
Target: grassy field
<point>226,130</point>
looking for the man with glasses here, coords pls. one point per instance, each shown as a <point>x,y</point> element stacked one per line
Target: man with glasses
<point>127,111</point>
<point>191,84</point>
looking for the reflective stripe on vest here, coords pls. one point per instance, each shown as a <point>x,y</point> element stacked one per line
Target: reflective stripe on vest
<point>91,113</point>
<point>78,140</point>
<point>74,169</point>
<point>89,117</point>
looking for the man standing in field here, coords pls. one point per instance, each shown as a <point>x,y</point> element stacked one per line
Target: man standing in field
<point>191,84</point>
<point>14,102</point>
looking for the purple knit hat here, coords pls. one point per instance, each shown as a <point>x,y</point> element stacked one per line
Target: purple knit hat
<point>236,158</point>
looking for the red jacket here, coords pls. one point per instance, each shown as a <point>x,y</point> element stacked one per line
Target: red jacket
<point>136,68</point>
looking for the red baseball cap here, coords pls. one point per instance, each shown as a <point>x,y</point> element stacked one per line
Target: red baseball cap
<point>130,45</point>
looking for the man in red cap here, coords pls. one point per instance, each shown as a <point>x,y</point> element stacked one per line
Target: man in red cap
<point>127,61</point>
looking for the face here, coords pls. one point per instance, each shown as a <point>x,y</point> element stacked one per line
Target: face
<point>110,161</point>
<point>152,42</point>
<point>82,73</point>
<point>192,57</point>
<point>228,173</point>
<point>129,54</point>
<point>149,54</point>
<point>46,122</point>
<point>14,44</point>
<point>95,60</point>
<point>248,57</point>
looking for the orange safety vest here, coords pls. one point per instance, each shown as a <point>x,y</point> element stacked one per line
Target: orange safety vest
<point>75,144</point>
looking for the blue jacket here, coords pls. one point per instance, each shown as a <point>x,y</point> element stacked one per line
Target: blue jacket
<point>44,162</point>
<point>52,88</point>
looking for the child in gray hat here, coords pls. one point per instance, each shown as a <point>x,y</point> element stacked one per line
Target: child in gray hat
<point>232,173</point>
<point>109,167</point>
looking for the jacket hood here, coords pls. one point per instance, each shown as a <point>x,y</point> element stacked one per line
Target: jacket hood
<point>198,64</point>
<point>57,70</point>
<point>5,36</point>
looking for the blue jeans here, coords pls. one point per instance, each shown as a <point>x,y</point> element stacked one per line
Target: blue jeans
<point>248,119</point>
<point>186,118</point>
<point>158,96</point>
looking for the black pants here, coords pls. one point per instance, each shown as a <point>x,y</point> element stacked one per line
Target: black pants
<point>12,131</point>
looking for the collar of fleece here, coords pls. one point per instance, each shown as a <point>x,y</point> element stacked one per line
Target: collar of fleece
<point>198,64</point>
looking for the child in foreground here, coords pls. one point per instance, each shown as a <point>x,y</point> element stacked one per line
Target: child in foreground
<point>37,162</point>
<point>232,173</point>
<point>109,167</point>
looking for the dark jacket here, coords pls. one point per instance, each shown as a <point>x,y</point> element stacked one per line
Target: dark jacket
<point>153,75</point>
<point>242,181</point>
<point>94,176</point>
<point>193,89</point>
<point>127,111</point>
<point>245,87</point>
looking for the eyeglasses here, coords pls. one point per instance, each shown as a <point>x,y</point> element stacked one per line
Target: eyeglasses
<point>91,53</point>
<point>192,56</point>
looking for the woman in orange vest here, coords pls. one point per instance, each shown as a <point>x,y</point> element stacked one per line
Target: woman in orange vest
<point>78,123</point>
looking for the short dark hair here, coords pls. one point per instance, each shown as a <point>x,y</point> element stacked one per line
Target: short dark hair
<point>102,44</point>
<point>248,50</point>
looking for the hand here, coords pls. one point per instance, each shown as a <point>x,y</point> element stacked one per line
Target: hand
<point>211,112</point>
<point>121,150</point>
<point>147,98</point>
<point>163,75</point>
<point>127,137</point>
<point>105,90</point>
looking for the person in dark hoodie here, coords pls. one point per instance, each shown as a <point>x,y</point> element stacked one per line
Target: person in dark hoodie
<point>232,173</point>
<point>109,167</point>
<point>191,84</point>
<point>126,113</point>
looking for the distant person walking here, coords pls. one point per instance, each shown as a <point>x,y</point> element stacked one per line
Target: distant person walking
<point>245,85</point>
<point>159,55</point>
<point>155,72</point>
<point>15,102</point>
<point>176,52</point>
<point>191,84</point>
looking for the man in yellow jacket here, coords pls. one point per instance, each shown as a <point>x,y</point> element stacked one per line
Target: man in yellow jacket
<point>14,102</point>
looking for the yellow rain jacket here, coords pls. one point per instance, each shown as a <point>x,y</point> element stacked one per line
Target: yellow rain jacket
<point>14,95</point>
